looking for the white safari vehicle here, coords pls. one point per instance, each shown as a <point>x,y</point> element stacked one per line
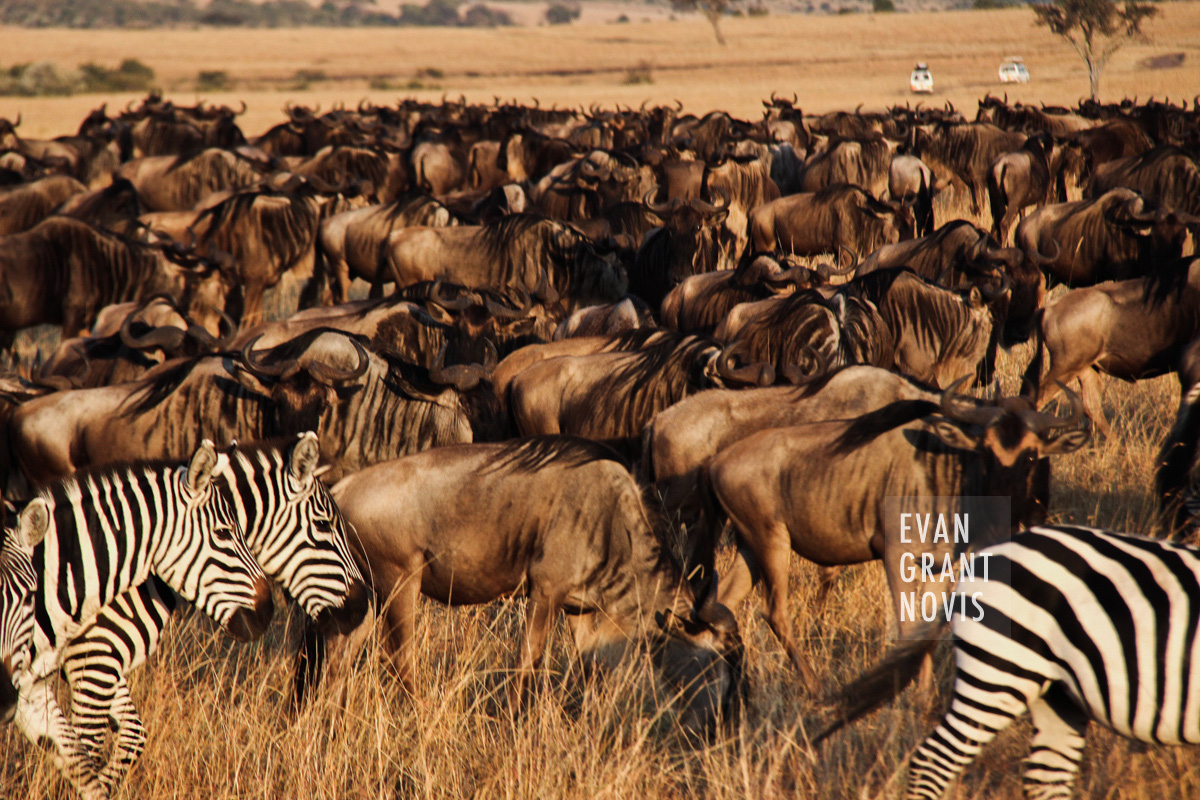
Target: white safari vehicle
<point>1013,71</point>
<point>920,81</point>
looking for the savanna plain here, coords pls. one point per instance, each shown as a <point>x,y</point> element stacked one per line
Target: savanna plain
<point>217,711</point>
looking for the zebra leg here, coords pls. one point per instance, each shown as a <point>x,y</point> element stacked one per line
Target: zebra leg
<point>1057,747</point>
<point>40,717</point>
<point>977,713</point>
<point>131,738</point>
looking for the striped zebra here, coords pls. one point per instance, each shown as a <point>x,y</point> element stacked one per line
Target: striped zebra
<point>1074,624</point>
<point>295,531</point>
<point>17,584</point>
<point>110,530</point>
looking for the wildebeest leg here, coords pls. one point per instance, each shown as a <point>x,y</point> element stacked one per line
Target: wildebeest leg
<point>739,579</point>
<point>376,288</point>
<point>774,560</point>
<point>539,616</point>
<point>400,621</point>
<point>1093,405</point>
<point>826,577</point>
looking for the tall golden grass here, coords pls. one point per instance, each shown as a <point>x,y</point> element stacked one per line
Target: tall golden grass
<point>219,729</point>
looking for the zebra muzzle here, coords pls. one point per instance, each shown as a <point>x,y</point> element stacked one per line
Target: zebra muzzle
<point>349,614</point>
<point>8,695</point>
<point>248,624</point>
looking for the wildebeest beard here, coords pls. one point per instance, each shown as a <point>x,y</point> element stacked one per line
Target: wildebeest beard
<point>299,403</point>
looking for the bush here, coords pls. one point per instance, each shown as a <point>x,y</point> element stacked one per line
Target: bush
<point>559,14</point>
<point>213,80</point>
<point>639,74</point>
<point>435,12</point>
<point>40,79</point>
<point>882,6</point>
<point>131,76</point>
<point>481,16</point>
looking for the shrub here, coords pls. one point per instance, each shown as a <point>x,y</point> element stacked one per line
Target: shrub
<point>883,6</point>
<point>213,80</point>
<point>639,74</point>
<point>559,14</point>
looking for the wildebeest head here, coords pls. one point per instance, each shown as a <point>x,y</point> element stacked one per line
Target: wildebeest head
<point>701,658</point>
<point>1011,438</point>
<point>8,134</point>
<point>895,220</point>
<point>305,375</point>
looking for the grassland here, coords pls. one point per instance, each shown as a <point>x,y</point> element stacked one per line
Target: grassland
<point>215,710</point>
<point>830,61</point>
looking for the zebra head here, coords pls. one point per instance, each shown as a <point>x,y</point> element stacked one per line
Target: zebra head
<point>17,583</point>
<point>207,561</point>
<point>295,529</point>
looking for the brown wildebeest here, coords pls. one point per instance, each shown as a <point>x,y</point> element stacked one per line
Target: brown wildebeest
<point>1131,330</point>
<point>557,519</point>
<point>821,490</point>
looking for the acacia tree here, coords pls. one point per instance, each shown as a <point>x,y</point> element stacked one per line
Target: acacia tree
<point>1096,28</point>
<point>712,10</point>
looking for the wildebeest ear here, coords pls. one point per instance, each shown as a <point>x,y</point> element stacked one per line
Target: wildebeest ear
<point>975,297</point>
<point>305,454</point>
<point>33,523</point>
<point>1067,442</point>
<point>953,435</point>
<point>200,470</point>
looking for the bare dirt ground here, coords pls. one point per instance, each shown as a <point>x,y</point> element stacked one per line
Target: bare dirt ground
<point>831,62</point>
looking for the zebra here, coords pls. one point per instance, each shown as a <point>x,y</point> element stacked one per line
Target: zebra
<point>17,584</point>
<point>1074,624</point>
<point>297,534</point>
<point>109,530</point>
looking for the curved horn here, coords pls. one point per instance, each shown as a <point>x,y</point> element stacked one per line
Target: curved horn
<point>332,376</point>
<point>164,336</point>
<point>762,373</point>
<point>250,362</point>
<point>228,330</point>
<point>1042,422</point>
<point>464,377</point>
<point>659,209</point>
<point>701,205</point>
<point>1037,257</point>
<point>435,297</point>
<point>969,414</point>
<point>793,375</point>
<point>501,311</point>
<point>993,294</point>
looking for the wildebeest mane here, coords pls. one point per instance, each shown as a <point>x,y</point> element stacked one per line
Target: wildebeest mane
<point>285,232</point>
<point>531,454</point>
<point>874,424</point>
<point>158,387</point>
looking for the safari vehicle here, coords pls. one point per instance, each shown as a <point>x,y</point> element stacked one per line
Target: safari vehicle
<point>920,81</point>
<point>1013,71</point>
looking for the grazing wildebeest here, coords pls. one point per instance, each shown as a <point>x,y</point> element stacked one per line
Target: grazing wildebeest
<point>557,519</point>
<point>1115,236</point>
<point>1131,330</point>
<point>836,219</point>
<point>821,491</point>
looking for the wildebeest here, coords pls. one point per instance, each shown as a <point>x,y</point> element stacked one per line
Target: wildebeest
<point>910,181</point>
<point>627,314</point>
<point>26,204</point>
<point>837,219</point>
<point>519,252</point>
<point>177,183</point>
<point>1166,176</point>
<point>888,318</point>
<point>1115,236</point>
<point>688,243</point>
<point>557,519</point>
<point>64,271</point>
<point>965,151</point>
<point>862,162</point>
<point>365,407</point>
<point>1017,180</point>
<point>611,396</point>
<point>821,490</point>
<point>1130,329</point>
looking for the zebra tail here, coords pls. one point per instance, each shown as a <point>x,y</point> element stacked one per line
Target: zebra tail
<point>881,684</point>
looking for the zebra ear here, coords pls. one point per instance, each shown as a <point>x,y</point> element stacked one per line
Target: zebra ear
<point>200,470</point>
<point>305,455</point>
<point>33,524</point>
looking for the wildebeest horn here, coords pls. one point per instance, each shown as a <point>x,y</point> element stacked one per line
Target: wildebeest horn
<point>1037,257</point>
<point>762,373</point>
<point>331,375</point>
<point>462,376</point>
<point>793,375</point>
<point>281,371</point>
<point>17,124</point>
<point>167,337</point>
<point>545,291</point>
<point>701,205</point>
<point>501,311</point>
<point>458,304</point>
<point>826,270</point>
<point>1042,422</point>
<point>992,294</point>
<point>659,209</point>
<point>969,414</point>
<point>228,329</point>
<point>56,383</point>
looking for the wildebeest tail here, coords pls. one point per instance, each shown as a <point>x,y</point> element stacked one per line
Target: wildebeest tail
<point>881,684</point>
<point>1032,379</point>
<point>924,210</point>
<point>997,198</point>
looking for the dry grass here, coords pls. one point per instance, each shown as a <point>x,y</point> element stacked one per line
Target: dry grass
<point>832,62</point>
<point>215,709</point>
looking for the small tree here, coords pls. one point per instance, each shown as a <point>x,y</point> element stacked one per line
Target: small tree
<point>1095,28</point>
<point>712,10</point>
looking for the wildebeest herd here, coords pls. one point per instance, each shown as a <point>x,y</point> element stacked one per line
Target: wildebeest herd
<point>621,334</point>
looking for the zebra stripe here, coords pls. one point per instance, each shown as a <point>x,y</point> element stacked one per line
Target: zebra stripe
<point>1084,625</point>
<point>111,530</point>
<point>295,531</point>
